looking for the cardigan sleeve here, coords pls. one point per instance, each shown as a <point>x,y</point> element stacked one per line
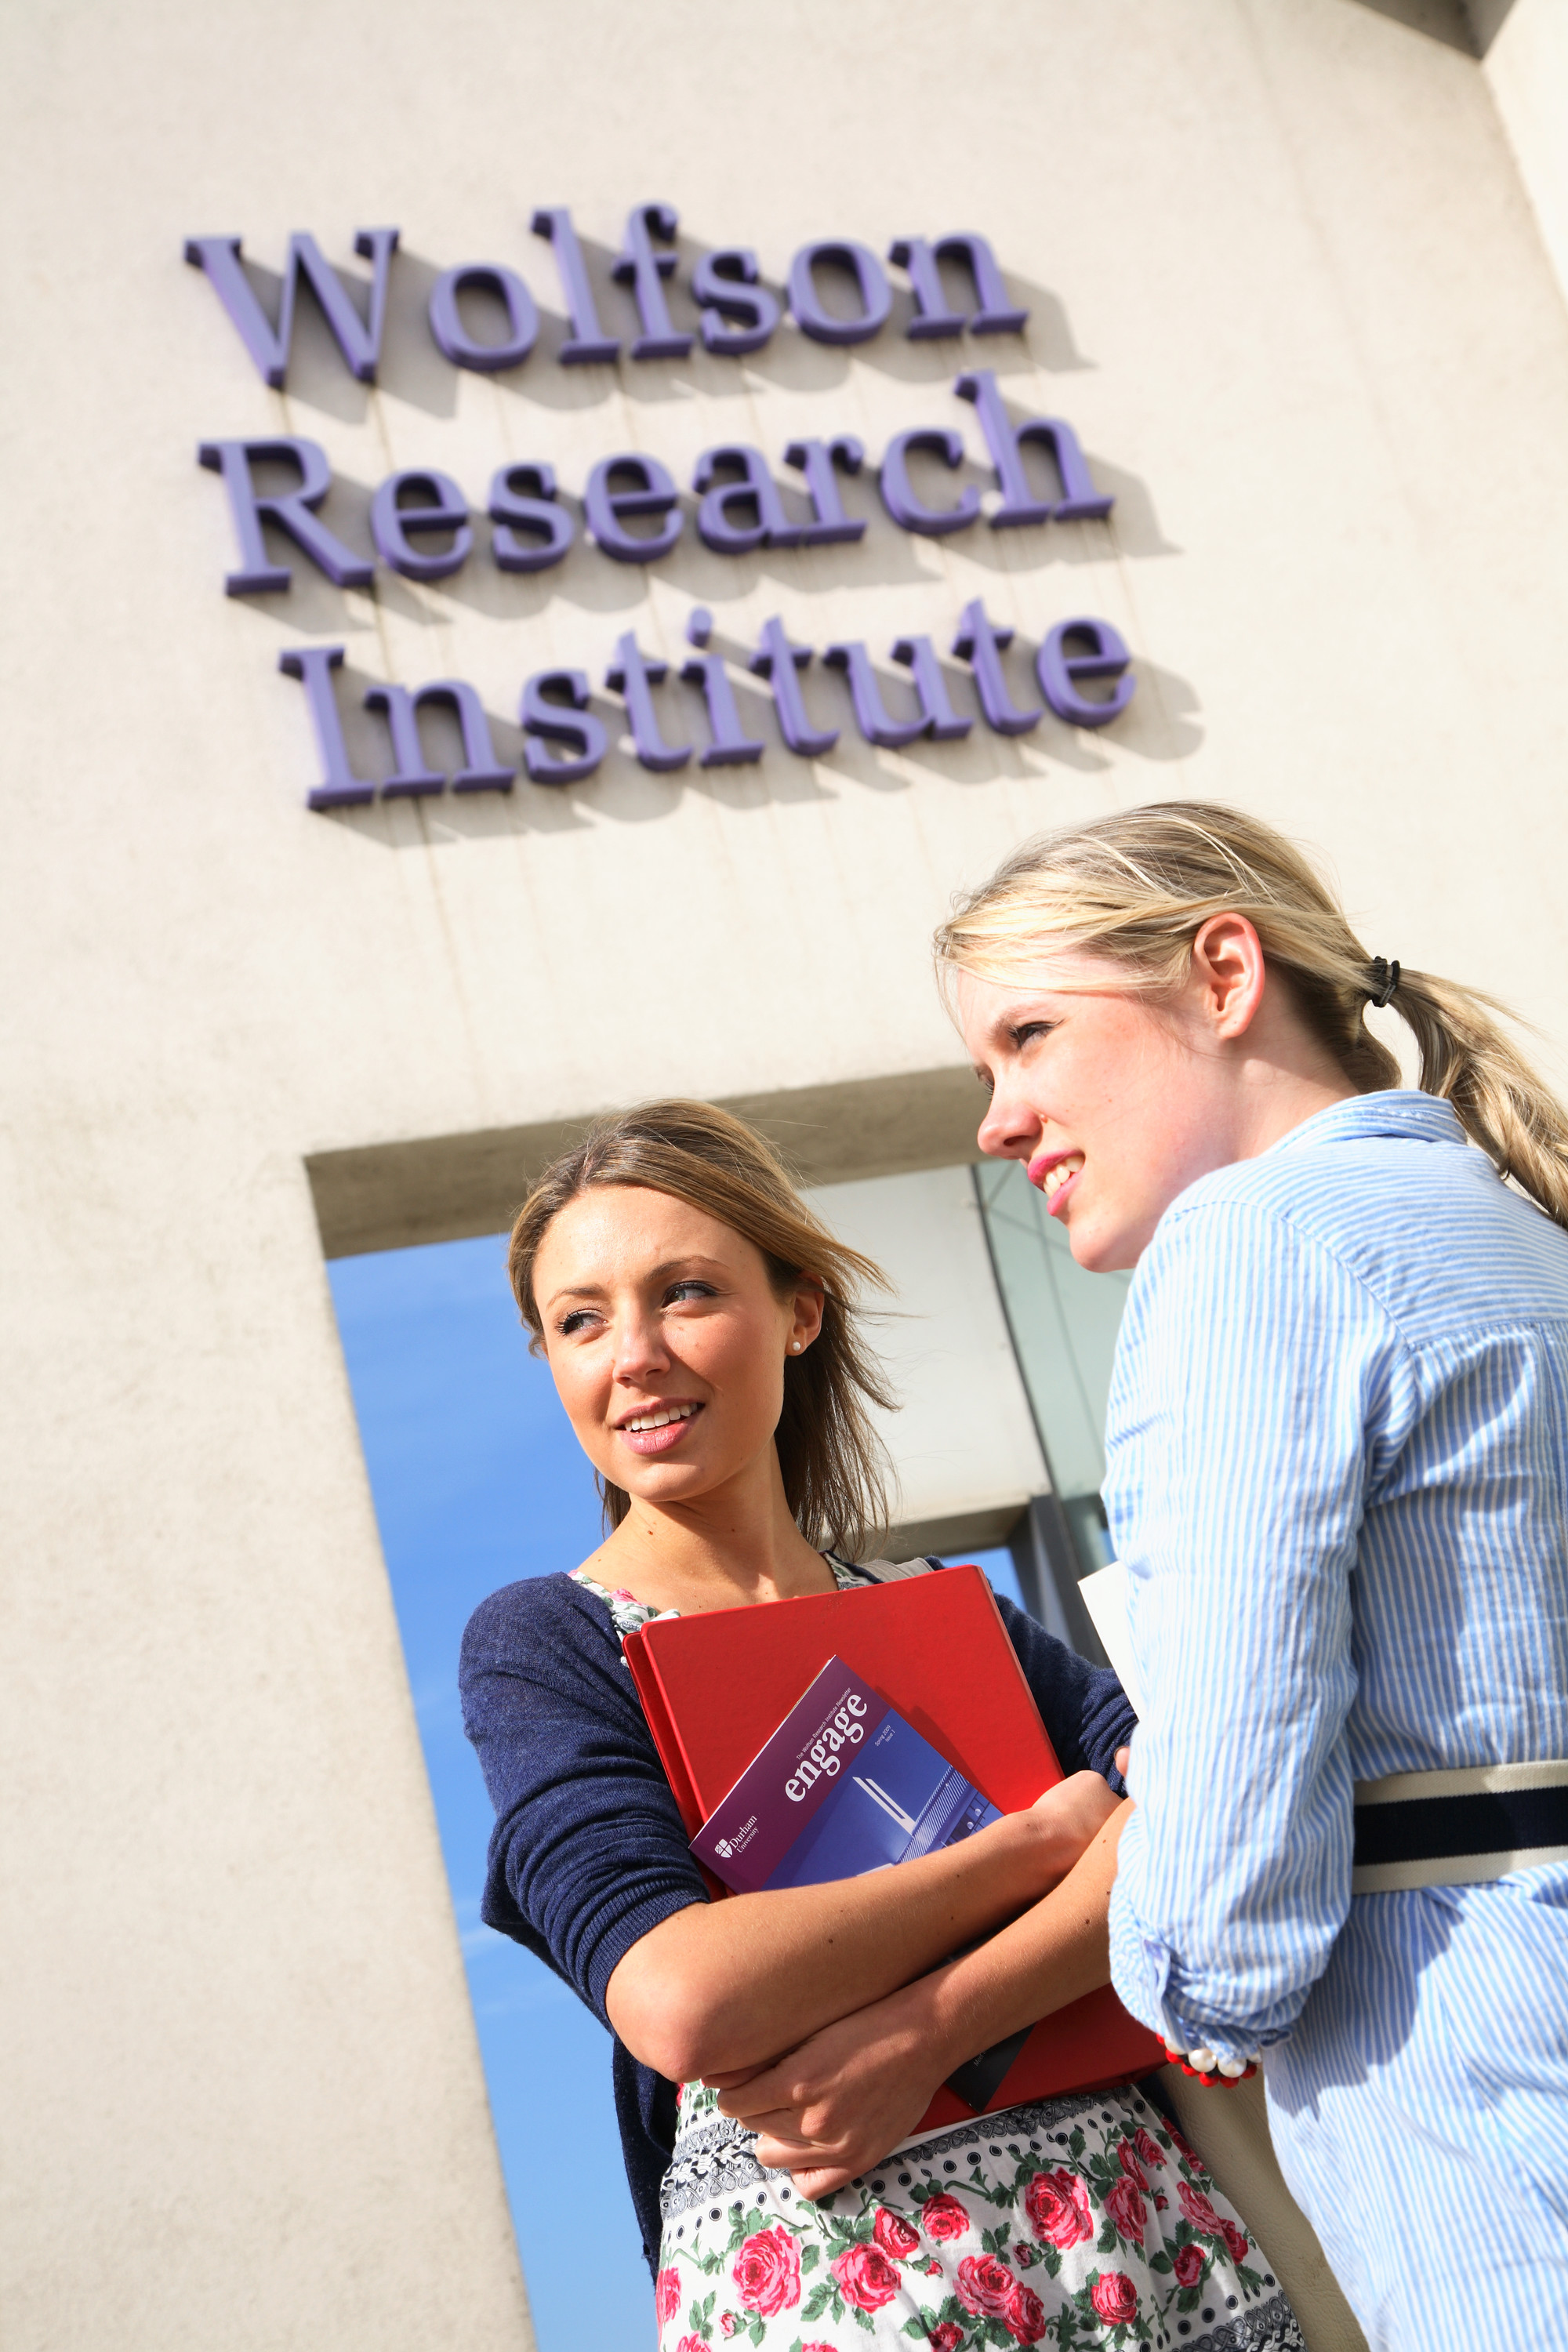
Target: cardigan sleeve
<point>1087,1714</point>
<point>588,1852</point>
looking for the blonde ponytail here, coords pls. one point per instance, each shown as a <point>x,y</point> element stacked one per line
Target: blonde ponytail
<point>1501,1104</point>
<point>1133,890</point>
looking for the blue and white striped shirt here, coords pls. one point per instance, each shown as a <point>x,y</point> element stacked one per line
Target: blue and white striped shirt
<point>1337,1451</point>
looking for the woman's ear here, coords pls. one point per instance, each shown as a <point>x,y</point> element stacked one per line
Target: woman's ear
<point>1228,975</point>
<point>807,1321</point>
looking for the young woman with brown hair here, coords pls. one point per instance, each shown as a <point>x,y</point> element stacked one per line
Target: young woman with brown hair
<point>700,1325</point>
<point>1338,1479</point>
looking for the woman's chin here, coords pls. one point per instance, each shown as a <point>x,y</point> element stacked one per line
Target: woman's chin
<point>640,1474</point>
<point>667,1478</point>
<point>697,1467</point>
<point>1099,1247</point>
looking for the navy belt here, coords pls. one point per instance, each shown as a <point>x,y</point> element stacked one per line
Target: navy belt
<point>1458,1828</point>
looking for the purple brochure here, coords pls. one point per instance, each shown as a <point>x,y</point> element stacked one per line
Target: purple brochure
<point>844,1786</point>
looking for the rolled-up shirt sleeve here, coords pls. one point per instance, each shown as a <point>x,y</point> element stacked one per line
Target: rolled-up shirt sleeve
<point>1253,1376</point>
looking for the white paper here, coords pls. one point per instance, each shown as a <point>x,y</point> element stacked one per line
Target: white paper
<point>1105,1596</point>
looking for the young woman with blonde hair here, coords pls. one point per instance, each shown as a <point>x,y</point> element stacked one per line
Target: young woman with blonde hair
<point>700,1324</point>
<point>1338,1477</point>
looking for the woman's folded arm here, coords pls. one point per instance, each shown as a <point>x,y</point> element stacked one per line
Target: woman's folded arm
<point>721,1988</point>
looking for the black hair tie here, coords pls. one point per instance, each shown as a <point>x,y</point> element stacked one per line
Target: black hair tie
<point>1385,980</point>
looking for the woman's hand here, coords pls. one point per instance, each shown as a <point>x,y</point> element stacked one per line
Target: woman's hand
<point>838,2104</point>
<point>850,2092</point>
<point>835,2107</point>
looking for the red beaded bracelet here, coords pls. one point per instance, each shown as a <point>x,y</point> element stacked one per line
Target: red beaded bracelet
<point>1205,2067</point>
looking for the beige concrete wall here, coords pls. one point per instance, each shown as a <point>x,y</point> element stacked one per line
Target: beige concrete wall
<point>1288,286</point>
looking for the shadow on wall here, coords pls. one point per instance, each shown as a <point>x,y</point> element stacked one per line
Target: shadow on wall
<point>1471,26</point>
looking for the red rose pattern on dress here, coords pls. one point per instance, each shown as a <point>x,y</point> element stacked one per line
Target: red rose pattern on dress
<point>1024,2314</point>
<point>767,2271</point>
<point>944,2217</point>
<point>866,2276</point>
<point>984,2286</point>
<point>1126,2210</point>
<point>1057,2242</point>
<point>1187,2264</point>
<point>1198,2209</point>
<point>1059,2210</point>
<point>896,2237</point>
<point>1114,2297</point>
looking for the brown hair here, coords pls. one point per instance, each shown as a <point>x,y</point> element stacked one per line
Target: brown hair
<point>833,1465</point>
<point>1135,888</point>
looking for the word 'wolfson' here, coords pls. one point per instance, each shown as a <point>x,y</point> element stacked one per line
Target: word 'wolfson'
<point>738,314</point>
<point>821,1759</point>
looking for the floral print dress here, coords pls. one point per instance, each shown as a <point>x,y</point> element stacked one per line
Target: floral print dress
<point>1073,2222</point>
<point>1076,2222</point>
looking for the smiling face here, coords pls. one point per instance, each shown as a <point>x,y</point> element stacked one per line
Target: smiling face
<point>1114,1104</point>
<point>667,1340</point>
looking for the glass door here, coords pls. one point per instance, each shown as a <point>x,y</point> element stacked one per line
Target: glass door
<point>1063,1321</point>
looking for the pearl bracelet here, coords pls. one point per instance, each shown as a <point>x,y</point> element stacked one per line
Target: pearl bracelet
<point>1205,2067</point>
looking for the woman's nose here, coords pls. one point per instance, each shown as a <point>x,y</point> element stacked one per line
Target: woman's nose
<point>1010,1129</point>
<point>639,1348</point>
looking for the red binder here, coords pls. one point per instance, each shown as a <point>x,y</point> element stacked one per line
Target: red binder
<point>714,1687</point>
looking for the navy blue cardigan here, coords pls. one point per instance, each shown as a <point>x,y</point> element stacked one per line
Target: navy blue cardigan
<point>588,1851</point>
